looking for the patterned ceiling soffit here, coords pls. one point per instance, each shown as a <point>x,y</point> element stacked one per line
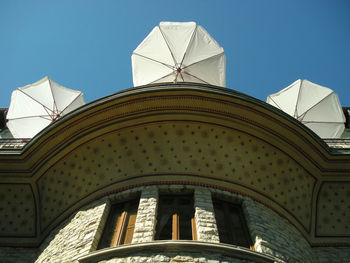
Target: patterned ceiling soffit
<point>189,134</point>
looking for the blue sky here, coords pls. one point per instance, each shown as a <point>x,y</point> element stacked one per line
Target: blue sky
<point>87,45</point>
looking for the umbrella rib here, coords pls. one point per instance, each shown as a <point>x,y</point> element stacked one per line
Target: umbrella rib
<point>46,108</point>
<point>196,78</point>
<point>177,74</point>
<point>27,117</point>
<point>70,103</point>
<point>166,42</point>
<point>316,104</point>
<point>329,122</point>
<point>203,60</point>
<point>276,103</point>
<point>188,45</point>
<point>283,90</point>
<point>296,104</point>
<point>301,117</point>
<point>164,64</point>
<point>44,117</point>
<point>182,77</point>
<point>161,78</point>
<point>53,97</point>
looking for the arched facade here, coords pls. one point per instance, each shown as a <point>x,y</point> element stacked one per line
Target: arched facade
<point>56,192</point>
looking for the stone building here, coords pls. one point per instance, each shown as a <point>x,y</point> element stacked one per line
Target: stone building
<point>175,173</point>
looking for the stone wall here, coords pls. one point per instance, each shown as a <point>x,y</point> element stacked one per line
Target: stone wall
<point>74,237</point>
<point>272,234</point>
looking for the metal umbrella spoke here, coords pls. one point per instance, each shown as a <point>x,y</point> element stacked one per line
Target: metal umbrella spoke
<point>155,81</point>
<point>203,60</point>
<point>48,117</point>
<point>188,45</point>
<point>48,110</point>
<point>164,64</point>
<point>196,77</point>
<point>167,43</point>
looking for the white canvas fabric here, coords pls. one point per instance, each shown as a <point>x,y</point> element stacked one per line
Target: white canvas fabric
<point>315,106</point>
<point>178,52</point>
<point>35,106</point>
<point>288,98</point>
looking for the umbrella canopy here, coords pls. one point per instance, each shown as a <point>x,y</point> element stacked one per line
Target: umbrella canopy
<point>315,106</point>
<point>178,52</point>
<point>35,106</point>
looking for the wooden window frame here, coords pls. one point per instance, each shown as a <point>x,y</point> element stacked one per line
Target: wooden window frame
<point>194,228</point>
<point>175,217</point>
<point>175,234</point>
<point>118,230</point>
<point>120,224</point>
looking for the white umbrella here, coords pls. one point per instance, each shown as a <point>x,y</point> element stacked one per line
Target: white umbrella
<point>315,106</point>
<point>178,52</point>
<point>35,106</point>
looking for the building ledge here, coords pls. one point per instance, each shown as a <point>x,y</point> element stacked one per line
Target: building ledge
<point>183,246</point>
<point>338,143</point>
<point>12,144</point>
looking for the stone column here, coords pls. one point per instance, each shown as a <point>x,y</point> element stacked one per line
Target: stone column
<point>74,237</point>
<point>146,216</point>
<point>204,214</point>
<point>274,235</point>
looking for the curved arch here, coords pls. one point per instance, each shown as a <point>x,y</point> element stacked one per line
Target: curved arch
<point>234,140</point>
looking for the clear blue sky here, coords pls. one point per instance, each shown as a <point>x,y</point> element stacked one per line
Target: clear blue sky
<point>87,44</point>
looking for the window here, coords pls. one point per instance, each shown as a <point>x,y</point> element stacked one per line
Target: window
<point>120,224</point>
<point>231,224</point>
<point>176,218</point>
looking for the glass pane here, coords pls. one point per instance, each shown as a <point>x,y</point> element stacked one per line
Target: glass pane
<point>231,225</point>
<point>164,227</point>
<point>239,235</point>
<point>224,232</point>
<point>185,227</point>
<point>180,205</point>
